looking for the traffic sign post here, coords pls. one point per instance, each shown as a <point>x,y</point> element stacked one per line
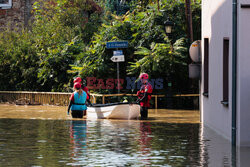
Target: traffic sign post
<point>117,53</point>
<point>117,56</point>
<point>118,79</point>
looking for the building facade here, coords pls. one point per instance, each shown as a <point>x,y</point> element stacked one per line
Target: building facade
<point>217,69</point>
<point>17,13</point>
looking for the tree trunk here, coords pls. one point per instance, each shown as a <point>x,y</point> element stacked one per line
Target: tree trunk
<point>188,13</point>
<point>158,5</point>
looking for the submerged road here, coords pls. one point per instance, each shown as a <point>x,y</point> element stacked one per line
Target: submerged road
<point>60,113</point>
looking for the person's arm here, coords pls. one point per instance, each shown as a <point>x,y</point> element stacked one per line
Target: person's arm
<point>144,97</point>
<point>70,104</point>
<point>138,94</point>
<point>71,100</point>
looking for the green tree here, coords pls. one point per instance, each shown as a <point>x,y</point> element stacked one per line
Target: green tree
<point>67,39</point>
<point>19,62</point>
<point>150,50</point>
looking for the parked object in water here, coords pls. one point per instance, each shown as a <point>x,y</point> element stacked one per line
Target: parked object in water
<point>114,111</point>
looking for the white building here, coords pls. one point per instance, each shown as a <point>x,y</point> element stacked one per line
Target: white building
<point>217,104</point>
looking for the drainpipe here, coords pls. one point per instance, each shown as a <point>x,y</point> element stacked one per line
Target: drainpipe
<point>234,72</point>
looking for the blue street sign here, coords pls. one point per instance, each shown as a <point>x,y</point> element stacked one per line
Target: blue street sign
<point>117,52</point>
<point>118,44</point>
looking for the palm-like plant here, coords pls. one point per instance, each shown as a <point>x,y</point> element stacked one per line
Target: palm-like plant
<point>159,58</point>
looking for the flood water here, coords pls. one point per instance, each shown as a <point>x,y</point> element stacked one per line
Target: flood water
<point>46,136</point>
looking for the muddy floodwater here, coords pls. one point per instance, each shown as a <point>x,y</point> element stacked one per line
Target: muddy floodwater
<point>42,136</point>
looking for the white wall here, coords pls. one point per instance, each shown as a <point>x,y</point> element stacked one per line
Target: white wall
<point>243,88</point>
<point>216,25</point>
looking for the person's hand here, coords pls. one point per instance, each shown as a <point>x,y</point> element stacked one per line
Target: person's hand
<point>89,103</point>
<point>68,112</point>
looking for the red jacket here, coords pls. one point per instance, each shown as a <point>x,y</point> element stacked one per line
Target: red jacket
<point>145,88</point>
<point>85,89</point>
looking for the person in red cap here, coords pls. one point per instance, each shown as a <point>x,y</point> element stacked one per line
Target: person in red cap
<point>144,95</point>
<point>84,88</point>
<point>77,103</point>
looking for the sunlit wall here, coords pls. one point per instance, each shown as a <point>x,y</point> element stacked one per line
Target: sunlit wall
<point>216,28</point>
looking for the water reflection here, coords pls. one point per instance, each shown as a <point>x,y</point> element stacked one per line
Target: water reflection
<point>63,141</point>
<point>145,142</point>
<point>78,140</point>
<point>217,151</point>
<point>136,143</point>
<point>78,135</point>
<point>33,142</point>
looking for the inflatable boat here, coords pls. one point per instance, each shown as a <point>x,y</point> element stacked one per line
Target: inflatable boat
<point>114,111</point>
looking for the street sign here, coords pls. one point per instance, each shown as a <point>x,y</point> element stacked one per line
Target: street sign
<point>117,44</point>
<point>117,53</point>
<point>119,58</point>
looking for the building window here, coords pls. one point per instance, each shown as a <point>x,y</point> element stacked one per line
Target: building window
<point>5,4</point>
<point>225,70</point>
<point>206,67</point>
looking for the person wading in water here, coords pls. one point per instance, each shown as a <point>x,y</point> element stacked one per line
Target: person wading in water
<point>144,95</point>
<point>77,102</point>
<point>84,88</point>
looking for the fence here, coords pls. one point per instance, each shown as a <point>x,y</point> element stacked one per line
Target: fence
<point>58,98</point>
<point>35,98</point>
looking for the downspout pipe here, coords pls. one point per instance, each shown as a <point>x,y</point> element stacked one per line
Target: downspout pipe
<point>234,72</point>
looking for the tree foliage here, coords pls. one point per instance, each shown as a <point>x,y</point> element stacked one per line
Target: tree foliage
<point>38,59</point>
<point>150,50</point>
<point>67,39</point>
